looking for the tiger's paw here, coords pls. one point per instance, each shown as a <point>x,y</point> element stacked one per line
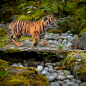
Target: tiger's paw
<point>34,44</point>
<point>45,44</point>
<point>19,44</point>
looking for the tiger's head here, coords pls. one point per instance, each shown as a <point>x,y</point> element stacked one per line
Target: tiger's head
<point>50,21</point>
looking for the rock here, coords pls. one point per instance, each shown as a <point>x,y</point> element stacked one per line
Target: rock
<point>60,40</point>
<point>50,66</point>
<point>65,85</point>
<point>50,38</point>
<point>54,74</point>
<point>60,77</point>
<point>51,70</point>
<point>39,68</point>
<point>70,77</point>
<point>20,65</point>
<point>79,56</point>
<point>66,80</point>
<point>70,38</point>
<point>71,84</point>
<point>59,71</point>
<point>69,44</point>
<point>13,17</point>
<point>73,80</point>
<point>46,64</point>
<point>54,84</point>
<point>14,64</point>
<point>51,78</point>
<point>67,73</point>
<point>83,84</point>
<point>60,82</point>
<point>78,81</point>
<point>46,68</point>
<point>44,72</point>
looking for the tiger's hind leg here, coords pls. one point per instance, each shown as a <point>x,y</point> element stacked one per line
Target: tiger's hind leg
<point>14,39</point>
<point>44,43</point>
<point>36,38</point>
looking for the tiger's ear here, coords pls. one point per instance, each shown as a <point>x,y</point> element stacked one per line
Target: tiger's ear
<point>45,18</point>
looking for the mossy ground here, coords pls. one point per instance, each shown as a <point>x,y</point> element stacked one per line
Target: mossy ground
<point>25,76</point>
<point>3,66</point>
<point>69,61</point>
<point>3,37</point>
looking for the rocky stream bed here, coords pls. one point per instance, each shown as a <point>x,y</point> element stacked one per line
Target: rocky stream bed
<point>58,62</point>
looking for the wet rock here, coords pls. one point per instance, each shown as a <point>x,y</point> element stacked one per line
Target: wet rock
<point>51,78</point>
<point>66,80</point>
<point>54,84</point>
<point>67,72</point>
<point>20,65</point>
<point>14,64</point>
<point>83,84</point>
<point>60,77</point>
<point>71,84</point>
<point>60,82</point>
<point>73,80</point>
<point>39,68</point>
<point>70,77</point>
<point>51,70</point>
<point>44,72</point>
<point>78,81</point>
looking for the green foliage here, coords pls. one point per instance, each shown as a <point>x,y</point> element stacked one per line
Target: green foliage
<point>46,8</point>
<point>44,53</point>
<point>77,72</point>
<point>71,7</point>
<point>64,71</point>
<point>83,30</point>
<point>3,74</point>
<point>7,15</point>
<point>3,32</point>
<point>62,45</point>
<point>22,5</point>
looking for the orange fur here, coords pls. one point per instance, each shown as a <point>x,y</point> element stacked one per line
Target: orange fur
<point>36,29</point>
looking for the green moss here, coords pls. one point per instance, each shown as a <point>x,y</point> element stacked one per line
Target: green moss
<point>83,30</point>
<point>22,38</point>
<point>12,50</point>
<point>82,70</point>
<point>3,37</point>
<point>26,76</point>
<point>3,66</point>
<point>2,32</point>
<point>31,64</point>
<point>71,7</point>
<point>7,15</point>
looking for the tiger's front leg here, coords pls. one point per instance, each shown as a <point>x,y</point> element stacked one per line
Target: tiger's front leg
<point>36,38</point>
<point>44,43</point>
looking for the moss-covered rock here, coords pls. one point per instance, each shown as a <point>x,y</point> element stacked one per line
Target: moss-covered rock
<point>83,30</point>
<point>4,65</point>
<point>24,76</point>
<point>3,37</point>
<point>7,15</point>
<point>76,62</point>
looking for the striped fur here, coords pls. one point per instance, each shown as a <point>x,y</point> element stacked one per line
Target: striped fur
<point>36,29</point>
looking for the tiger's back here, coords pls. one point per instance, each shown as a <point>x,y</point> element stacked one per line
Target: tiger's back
<point>36,29</point>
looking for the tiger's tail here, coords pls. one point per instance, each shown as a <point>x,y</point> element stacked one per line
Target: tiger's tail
<point>9,34</point>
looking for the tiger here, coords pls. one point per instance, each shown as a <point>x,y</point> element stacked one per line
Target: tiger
<point>36,29</point>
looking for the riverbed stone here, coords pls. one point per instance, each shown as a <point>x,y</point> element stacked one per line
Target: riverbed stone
<point>70,77</point>
<point>60,77</point>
